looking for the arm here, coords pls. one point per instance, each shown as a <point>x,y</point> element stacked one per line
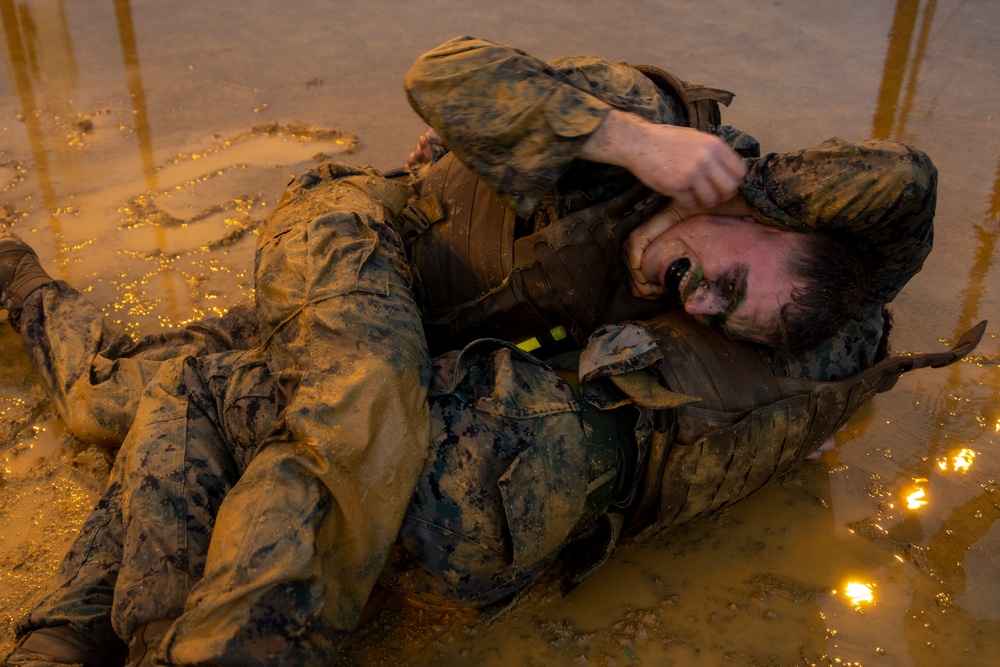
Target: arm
<point>520,123</point>
<point>881,193</point>
<point>878,192</point>
<point>696,169</point>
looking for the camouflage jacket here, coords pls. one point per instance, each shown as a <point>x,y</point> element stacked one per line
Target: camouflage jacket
<point>520,123</point>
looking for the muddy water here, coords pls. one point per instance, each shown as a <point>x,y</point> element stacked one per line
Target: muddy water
<point>142,143</point>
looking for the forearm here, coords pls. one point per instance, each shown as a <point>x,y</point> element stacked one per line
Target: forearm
<point>698,170</point>
<point>517,121</point>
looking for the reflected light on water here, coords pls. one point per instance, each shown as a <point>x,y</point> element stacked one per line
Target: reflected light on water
<point>916,499</point>
<point>859,593</point>
<point>958,462</point>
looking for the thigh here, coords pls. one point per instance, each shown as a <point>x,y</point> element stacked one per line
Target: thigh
<point>178,469</point>
<point>506,483</point>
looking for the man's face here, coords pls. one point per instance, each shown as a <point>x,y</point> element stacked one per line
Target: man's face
<point>729,272</point>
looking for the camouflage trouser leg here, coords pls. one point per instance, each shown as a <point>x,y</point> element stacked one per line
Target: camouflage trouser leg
<point>95,372</point>
<point>86,578</point>
<point>302,536</point>
<point>177,469</point>
<point>145,544</point>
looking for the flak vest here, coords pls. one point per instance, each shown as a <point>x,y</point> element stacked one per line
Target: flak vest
<point>727,423</point>
<point>482,272</point>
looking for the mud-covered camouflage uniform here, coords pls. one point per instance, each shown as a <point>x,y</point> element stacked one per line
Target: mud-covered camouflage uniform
<point>513,466</point>
<point>329,481</point>
<point>520,122</point>
<point>517,456</point>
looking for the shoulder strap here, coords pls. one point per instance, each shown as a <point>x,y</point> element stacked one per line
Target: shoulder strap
<point>700,102</point>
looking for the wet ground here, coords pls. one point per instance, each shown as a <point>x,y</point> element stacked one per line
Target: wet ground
<point>141,143</point>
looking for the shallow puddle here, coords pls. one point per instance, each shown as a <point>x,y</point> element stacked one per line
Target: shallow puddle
<point>142,143</point>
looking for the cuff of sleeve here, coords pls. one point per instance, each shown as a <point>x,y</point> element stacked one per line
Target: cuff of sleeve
<point>572,113</point>
<point>762,202</point>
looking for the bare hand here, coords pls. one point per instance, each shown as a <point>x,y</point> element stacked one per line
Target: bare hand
<point>636,244</point>
<point>698,170</point>
<point>424,151</point>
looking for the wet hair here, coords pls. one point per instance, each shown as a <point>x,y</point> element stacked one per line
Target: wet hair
<point>836,274</point>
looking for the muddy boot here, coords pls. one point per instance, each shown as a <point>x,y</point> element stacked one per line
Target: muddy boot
<point>145,641</point>
<point>59,645</point>
<point>20,275</point>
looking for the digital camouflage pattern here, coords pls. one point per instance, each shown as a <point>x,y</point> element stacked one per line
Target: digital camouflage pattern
<point>303,534</point>
<point>519,123</point>
<point>144,545</point>
<point>293,430</point>
<point>198,429</point>
<point>341,337</point>
<point>96,372</point>
<point>512,467</point>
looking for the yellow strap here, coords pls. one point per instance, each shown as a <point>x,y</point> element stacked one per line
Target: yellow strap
<point>530,345</point>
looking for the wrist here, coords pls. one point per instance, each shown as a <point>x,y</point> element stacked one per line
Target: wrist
<point>611,142</point>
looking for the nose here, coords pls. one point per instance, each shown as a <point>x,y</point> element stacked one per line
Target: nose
<point>705,302</point>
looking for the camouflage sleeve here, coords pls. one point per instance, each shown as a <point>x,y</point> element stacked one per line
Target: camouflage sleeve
<point>880,192</point>
<point>849,351</point>
<point>520,122</point>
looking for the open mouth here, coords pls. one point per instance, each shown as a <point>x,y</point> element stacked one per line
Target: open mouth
<point>674,277</point>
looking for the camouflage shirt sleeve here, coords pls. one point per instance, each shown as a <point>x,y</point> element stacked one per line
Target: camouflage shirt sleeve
<point>520,122</point>
<point>880,192</point>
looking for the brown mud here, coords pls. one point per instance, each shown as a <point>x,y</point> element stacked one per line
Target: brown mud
<point>142,143</point>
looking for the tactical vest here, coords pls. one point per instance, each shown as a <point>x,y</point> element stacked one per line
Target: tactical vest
<point>727,425</point>
<point>732,425</point>
<point>482,272</point>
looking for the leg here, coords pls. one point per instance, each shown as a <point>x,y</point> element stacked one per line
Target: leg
<point>145,544</point>
<point>178,467</point>
<point>73,623</point>
<point>95,372</point>
<point>303,535</point>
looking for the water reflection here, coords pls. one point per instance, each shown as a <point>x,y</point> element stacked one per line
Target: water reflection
<point>935,624</point>
<point>890,116</point>
<point>960,461</point>
<point>126,34</point>
<point>932,621</point>
<point>994,207</point>
<point>24,58</point>
<point>45,57</point>
<point>858,593</point>
<point>917,498</point>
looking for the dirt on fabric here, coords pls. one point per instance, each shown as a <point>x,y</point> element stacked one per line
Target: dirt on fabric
<point>143,143</point>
